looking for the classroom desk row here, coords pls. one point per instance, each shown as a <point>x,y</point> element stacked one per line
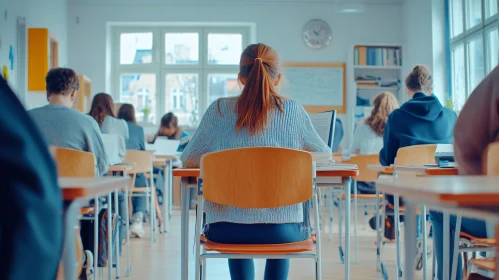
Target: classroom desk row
<point>338,177</point>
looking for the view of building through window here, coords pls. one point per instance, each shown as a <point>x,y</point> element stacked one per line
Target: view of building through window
<point>195,67</point>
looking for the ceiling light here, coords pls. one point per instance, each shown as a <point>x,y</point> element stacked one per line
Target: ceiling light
<point>349,8</point>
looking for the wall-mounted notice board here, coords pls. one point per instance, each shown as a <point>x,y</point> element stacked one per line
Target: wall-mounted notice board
<point>318,87</point>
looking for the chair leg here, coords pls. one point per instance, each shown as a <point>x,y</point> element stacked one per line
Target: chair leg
<point>340,225</point>
<point>425,239</point>
<point>378,239</point>
<point>434,263</point>
<point>455,256</point>
<point>355,217</point>
<point>382,243</point>
<point>397,238</point>
<point>330,203</point>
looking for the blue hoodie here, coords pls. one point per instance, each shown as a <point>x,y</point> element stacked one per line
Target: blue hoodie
<point>421,120</point>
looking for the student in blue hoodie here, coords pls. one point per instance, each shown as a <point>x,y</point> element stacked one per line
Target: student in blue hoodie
<point>421,120</point>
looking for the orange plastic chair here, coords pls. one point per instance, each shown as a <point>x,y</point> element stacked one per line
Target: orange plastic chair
<point>491,167</point>
<point>260,177</point>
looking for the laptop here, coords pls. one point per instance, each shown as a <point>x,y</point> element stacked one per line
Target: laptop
<point>166,147</point>
<point>324,123</point>
<point>444,156</point>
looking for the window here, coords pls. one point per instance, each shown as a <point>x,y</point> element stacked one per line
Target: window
<point>474,44</point>
<point>179,70</point>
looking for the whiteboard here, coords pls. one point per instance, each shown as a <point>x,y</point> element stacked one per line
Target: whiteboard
<point>320,85</point>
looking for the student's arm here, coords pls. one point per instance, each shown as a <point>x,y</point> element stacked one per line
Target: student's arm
<point>96,146</point>
<point>121,148</point>
<point>142,142</point>
<point>201,141</point>
<point>357,137</point>
<point>390,144</point>
<point>124,129</point>
<point>477,126</point>
<point>310,139</point>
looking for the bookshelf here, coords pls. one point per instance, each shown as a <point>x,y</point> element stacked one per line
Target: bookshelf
<point>372,69</point>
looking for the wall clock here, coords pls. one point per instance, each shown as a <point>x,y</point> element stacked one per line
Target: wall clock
<point>317,34</point>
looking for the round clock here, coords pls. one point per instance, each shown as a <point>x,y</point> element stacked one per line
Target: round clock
<point>317,34</point>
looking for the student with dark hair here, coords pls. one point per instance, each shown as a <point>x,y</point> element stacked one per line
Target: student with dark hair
<point>102,110</point>
<point>135,141</point>
<point>476,127</point>
<point>65,127</point>
<point>169,128</point>
<point>421,120</point>
<point>31,240</point>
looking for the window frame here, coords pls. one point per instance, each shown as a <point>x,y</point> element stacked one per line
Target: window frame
<point>465,37</point>
<point>161,69</point>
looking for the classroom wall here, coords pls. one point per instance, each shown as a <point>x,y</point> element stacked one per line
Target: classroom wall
<point>277,24</point>
<point>424,40</point>
<point>51,14</point>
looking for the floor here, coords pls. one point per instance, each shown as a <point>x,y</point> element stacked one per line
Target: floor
<point>162,260</point>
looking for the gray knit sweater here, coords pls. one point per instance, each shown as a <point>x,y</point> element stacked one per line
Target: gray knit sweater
<point>291,129</point>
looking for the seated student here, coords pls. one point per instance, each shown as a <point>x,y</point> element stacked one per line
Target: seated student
<point>169,128</point>
<point>102,111</point>
<point>65,127</point>
<point>476,127</point>
<point>135,142</point>
<point>258,117</point>
<point>421,120</point>
<point>32,235</point>
<point>337,136</point>
<point>368,137</point>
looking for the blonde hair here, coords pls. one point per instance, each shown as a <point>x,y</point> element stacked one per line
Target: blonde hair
<point>384,104</point>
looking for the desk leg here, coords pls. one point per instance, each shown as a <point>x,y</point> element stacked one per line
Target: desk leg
<point>184,235</point>
<point>170,188</point>
<point>96,236</point>
<point>378,235</point>
<point>425,241</point>
<point>117,239</point>
<point>166,196</point>
<point>109,236</point>
<point>446,246</point>
<point>410,240</point>
<point>347,228</point>
<point>69,253</point>
<point>127,220</point>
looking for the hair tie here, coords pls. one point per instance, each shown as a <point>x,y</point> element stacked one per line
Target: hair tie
<point>258,59</point>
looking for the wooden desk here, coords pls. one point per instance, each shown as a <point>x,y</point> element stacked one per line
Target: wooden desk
<point>431,171</point>
<point>74,191</point>
<point>472,196</point>
<point>386,170</point>
<point>331,178</point>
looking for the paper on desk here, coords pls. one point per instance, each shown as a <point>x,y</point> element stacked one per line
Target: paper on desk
<point>322,158</point>
<point>324,167</point>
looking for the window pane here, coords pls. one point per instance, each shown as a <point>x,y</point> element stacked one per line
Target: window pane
<point>476,69</point>
<point>456,12</point>
<point>222,85</point>
<point>473,13</point>
<point>224,48</point>
<point>458,76</point>
<point>136,48</point>
<point>181,48</point>
<point>492,49</point>
<point>140,91</point>
<point>181,97</point>
<point>491,8</point>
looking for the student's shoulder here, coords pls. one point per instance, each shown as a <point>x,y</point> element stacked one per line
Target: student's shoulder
<point>290,105</point>
<point>449,113</point>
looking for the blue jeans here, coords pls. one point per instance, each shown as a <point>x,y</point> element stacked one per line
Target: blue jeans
<point>138,204</point>
<point>231,233</point>
<point>473,227</point>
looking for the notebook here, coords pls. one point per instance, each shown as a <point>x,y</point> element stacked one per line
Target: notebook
<point>166,147</point>
<point>324,124</point>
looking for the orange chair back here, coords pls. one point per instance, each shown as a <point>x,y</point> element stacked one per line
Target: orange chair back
<point>491,160</point>
<point>260,177</point>
<point>362,161</point>
<point>74,163</point>
<point>416,155</point>
<point>142,160</point>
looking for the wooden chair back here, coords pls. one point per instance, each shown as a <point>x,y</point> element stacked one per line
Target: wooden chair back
<point>74,163</point>
<point>416,155</point>
<point>142,160</point>
<point>362,161</point>
<point>491,159</point>
<point>259,177</point>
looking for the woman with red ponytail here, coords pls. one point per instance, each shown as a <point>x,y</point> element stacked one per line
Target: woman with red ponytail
<point>258,117</point>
